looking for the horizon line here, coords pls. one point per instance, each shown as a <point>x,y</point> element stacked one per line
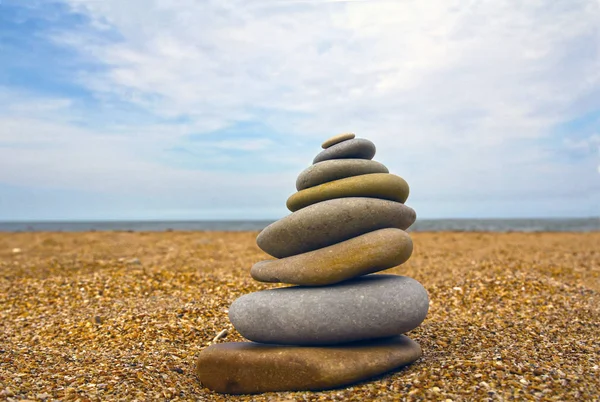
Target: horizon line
<point>275,219</point>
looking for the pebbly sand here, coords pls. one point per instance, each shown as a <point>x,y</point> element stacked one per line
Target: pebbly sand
<point>122,316</point>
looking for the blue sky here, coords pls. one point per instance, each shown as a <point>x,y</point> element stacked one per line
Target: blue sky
<point>189,109</point>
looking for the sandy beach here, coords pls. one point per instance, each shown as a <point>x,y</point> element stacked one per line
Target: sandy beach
<point>122,316</point>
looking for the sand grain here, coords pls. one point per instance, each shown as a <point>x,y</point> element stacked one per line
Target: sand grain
<point>122,316</point>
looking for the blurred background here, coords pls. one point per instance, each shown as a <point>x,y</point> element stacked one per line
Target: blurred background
<point>208,110</point>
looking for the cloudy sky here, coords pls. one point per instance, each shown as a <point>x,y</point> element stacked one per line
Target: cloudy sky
<point>193,109</point>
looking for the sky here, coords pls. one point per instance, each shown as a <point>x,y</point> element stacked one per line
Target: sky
<point>192,109</point>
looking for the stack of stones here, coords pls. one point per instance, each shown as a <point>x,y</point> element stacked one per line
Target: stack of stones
<point>341,323</point>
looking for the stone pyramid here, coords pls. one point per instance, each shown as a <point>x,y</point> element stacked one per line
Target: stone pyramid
<point>341,322</point>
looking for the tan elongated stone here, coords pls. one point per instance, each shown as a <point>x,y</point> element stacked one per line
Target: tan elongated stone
<point>250,368</point>
<point>332,221</point>
<point>365,254</point>
<point>336,139</point>
<point>376,185</point>
<point>335,169</point>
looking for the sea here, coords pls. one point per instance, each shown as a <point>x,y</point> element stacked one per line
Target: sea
<point>422,225</point>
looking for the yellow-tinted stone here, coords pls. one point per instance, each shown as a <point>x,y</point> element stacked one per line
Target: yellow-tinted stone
<point>250,368</point>
<point>336,139</point>
<point>376,185</point>
<point>361,255</point>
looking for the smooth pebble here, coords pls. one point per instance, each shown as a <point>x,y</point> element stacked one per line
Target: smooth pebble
<point>250,368</point>
<point>336,169</point>
<point>368,307</point>
<point>332,221</point>
<point>375,185</point>
<point>336,139</point>
<point>357,148</point>
<point>361,255</point>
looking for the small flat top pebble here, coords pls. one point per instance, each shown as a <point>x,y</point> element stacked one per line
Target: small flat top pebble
<point>337,139</point>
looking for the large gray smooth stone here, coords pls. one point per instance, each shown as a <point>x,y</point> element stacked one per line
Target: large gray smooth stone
<point>357,148</point>
<point>372,306</point>
<point>361,255</point>
<point>250,368</point>
<point>336,169</point>
<point>332,221</point>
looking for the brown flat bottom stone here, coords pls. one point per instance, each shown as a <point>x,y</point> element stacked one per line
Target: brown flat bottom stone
<point>250,368</point>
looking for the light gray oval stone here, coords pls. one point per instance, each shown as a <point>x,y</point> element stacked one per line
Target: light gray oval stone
<point>332,221</point>
<point>336,169</point>
<point>372,306</point>
<point>357,148</point>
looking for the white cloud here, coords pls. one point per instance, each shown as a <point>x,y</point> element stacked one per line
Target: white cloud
<point>44,150</point>
<point>461,97</point>
<point>242,145</point>
<point>590,143</point>
<point>502,69</point>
